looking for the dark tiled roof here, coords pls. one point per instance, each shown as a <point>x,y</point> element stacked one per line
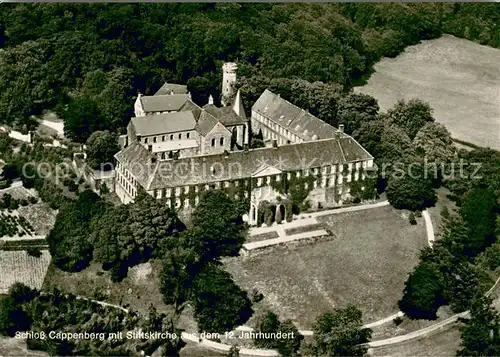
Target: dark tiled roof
<point>298,121</point>
<point>154,124</point>
<point>226,115</point>
<point>239,164</point>
<point>206,122</point>
<point>162,103</point>
<point>138,161</point>
<point>168,88</point>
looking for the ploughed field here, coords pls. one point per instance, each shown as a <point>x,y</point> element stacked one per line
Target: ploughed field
<point>459,78</point>
<point>365,263</point>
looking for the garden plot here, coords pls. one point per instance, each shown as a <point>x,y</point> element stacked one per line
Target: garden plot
<point>19,266</point>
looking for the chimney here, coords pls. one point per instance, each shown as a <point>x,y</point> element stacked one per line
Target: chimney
<point>275,143</point>
<point>210,99</point>
<point>341,128</point>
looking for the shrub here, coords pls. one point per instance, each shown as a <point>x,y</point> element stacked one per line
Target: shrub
<point>23,202</point>
<point>34,252</point>
<point>411,218</point>
<point>32,200</point>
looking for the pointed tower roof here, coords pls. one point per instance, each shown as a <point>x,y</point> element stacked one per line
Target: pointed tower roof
<point>238,107</point>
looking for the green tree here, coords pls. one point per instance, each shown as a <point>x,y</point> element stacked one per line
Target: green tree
<point>434,141</point>
<point>355,110</point>
<point>412,191</point>
<point>218,219</point>
<point>422,295</point>
<point>479,209</point>
<point>101,148</point>
<point>219,304</point>
<point>340,333</point>
<point>410,116</point>
<point>180,266</point>
<point>81,119</point>
<point>289,345</point>
<point>267,323</point>
<point>481,334</point>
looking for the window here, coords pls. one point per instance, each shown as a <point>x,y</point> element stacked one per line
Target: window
<point>171,137</point>
<point>163,138</point>
<point>150,148</point>
<point>327,182</point>
<point>145,140</point>
<point>154,139</point>
<point>187,135</point>
<point>213,142</point>
<point>221,141</point>
<point>180,135</point>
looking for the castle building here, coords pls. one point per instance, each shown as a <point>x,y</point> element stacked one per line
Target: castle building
<point>175,155</point>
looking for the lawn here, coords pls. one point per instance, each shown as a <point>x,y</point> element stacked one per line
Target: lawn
<point>365,263</point>
<point>459,78</point>
<point>443,344</point>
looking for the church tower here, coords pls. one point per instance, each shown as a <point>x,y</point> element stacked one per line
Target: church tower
<point>228,80</point>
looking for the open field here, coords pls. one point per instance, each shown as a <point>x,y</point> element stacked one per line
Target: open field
<point>459,78</point>
<point>365,263</point>
<point>19,266</point>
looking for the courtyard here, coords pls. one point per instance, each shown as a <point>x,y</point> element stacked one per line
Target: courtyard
<point>364,262</point>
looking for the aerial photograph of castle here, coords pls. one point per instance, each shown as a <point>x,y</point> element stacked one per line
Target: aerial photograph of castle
<point>250,179</point>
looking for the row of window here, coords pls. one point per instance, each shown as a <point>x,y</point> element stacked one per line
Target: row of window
<point>276,128</point>
<point>126,174</point>
<point>166,137</point>
<point>130,188</point>
<point>326,182</point>
<point>214,141</point>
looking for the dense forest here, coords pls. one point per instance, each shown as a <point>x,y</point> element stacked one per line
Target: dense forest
<point>55,54</point>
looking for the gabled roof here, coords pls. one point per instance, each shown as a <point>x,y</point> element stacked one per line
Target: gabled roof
<point>163,103</point>
<point>300,122</point>
<point>206,122</point>
<point>168,88</point>
<point>226,115</point>
<point>239,164</point>
<point>154,124</point>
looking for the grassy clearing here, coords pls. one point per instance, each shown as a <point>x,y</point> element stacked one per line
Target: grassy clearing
<point>365,263</point>
<point>443,344</point>
<point>459,78</point>
<point>137,291</point>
